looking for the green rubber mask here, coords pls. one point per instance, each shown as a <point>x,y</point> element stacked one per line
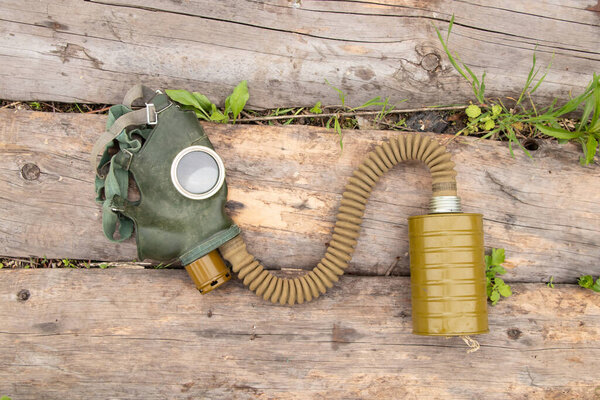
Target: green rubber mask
<point>180,178</point>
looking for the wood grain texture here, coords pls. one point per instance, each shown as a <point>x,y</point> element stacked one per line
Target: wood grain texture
<point>92,51</point>
<point>285,185</point>
<point>98,334</point>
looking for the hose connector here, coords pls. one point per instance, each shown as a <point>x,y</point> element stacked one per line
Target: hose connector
<point>208,272</point>
<point>444,204</point>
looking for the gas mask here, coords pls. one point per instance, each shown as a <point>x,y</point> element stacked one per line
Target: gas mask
<point>180,215</point>
<point>182,191</point>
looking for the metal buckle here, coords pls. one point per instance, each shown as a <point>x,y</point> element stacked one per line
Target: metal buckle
<point>151,111</point>
<point>130,154</point>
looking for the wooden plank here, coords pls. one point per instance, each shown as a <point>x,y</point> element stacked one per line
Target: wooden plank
<point>92,51</point>
<point>97,334</point>
<point>285,185</point>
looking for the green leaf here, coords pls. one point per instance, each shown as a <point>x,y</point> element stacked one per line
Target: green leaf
<point>498,270</point>
<point>218,116</point>
<point>473,111</point>
<point>586,281</point>
<point>590,149</point>
<point>505,290</point>
<point>238,98</point>
<point>376,101</point>
<point>558,133</point>
<point>1,265</point>
<point>497,256</point>
<point>596,286</point>
<point>338,129</point>
<point>494,297</point>
<point>488,260</point>
<point>5,398</point>
<point>341,94</point>
<point>203,101</point>
<point>183,97</point>
<point>489,125</point>
<point>496,110</point>
<point>317,108</point>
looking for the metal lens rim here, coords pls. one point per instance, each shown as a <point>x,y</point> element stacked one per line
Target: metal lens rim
<point>214,189</point>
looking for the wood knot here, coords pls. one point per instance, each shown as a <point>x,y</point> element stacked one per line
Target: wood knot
<point>23,295</point>
<point>30,172</point>
<point>514,333</point>
<point>430,62</point>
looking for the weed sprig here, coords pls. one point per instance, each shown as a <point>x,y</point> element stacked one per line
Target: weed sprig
<point>493,118</point>
<point>496,286</point>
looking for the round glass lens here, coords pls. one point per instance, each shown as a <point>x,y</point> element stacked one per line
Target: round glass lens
<point>197,172</point>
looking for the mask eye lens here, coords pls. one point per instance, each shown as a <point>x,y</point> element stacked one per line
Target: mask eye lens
<point>197,172</point>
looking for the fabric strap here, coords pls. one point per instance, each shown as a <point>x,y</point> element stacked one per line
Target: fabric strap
<point>112,171</point>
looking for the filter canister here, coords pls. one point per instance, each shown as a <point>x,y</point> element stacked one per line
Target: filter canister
<point>447,274</point>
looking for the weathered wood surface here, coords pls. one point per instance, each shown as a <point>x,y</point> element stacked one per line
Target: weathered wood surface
<point>98,334</point>
<point>92,51</point>
<point>284,189</point>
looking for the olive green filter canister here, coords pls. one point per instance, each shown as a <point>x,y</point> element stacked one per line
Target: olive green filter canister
<point>447,273</point>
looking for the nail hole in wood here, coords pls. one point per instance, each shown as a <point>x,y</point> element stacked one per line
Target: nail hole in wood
<point>30,172</point>
<point>531,144</point>
<point>23,295</point>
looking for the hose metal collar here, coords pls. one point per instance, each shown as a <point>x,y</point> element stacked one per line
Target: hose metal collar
<point>444,204</point>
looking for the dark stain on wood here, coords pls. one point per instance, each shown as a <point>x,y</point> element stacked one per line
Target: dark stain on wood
<point>233,206</point>
<point>53,25</point>
<point>366,74</point>
<point>47,327</point>
<point>186,387</point>
<point>75,51</point>
<point>340,335</point>
<point>514,333</point>
<point>30,172</point>
<point>302,206</point>
<point>595,8</point>
<point>23,295</point>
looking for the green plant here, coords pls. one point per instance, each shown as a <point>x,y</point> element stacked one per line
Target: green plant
<point>103,266</point>
<point>335,120</point>
<point>5,398</point>
<point>587,130</point>
<point>206,110</point>
<point>496,287</point>
<point>550,283</point>
<point>493,118</point>
<point>587,281</point>
<point>68,263</point>
<point>35,105</point>
<point>317,108</point>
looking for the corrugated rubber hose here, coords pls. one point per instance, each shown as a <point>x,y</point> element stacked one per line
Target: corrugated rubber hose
<point>349,218</point>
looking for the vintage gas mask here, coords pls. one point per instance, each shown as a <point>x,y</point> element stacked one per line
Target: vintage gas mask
<point>179,214</point>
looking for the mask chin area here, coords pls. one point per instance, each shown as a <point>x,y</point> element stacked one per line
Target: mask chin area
<point>197,172</point>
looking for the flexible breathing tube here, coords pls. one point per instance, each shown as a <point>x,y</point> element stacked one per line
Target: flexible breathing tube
<point>349,218</point>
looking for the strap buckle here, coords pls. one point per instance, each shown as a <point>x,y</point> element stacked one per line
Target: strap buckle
<point>130,154</point>
<point>152,113</point>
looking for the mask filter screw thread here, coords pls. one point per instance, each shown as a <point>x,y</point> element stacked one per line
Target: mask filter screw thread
<point>444,204</point>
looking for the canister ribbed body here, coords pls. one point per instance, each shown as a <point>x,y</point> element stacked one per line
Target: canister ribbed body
<point>447,273</point>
